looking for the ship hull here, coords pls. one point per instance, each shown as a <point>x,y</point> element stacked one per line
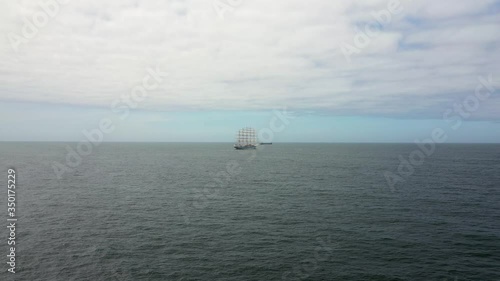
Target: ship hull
<point>245,147</point>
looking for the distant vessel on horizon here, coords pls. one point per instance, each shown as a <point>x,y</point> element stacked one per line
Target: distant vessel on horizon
<point>246,139</point>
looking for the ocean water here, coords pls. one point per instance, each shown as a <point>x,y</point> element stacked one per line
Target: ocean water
<point>168,211</point>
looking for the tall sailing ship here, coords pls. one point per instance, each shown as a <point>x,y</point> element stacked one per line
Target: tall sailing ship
<point>246,139</point>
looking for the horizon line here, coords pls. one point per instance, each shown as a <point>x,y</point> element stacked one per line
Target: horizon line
<point>217,142</point>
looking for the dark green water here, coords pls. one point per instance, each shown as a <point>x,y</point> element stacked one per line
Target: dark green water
<point>287,212</point>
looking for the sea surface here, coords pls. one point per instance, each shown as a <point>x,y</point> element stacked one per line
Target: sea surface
<point>191,211</point>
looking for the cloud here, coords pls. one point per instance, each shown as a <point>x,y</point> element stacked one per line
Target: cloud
<point>262,55</point>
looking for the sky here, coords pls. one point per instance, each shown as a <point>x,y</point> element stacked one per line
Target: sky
<point>199,70</point>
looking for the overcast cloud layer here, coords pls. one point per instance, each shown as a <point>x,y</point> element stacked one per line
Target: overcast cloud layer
<point>261,55</point>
